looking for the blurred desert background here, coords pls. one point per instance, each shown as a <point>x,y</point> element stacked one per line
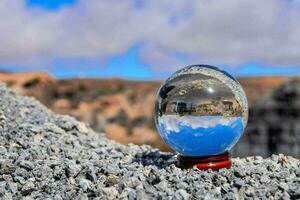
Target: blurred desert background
<point>123,109</point>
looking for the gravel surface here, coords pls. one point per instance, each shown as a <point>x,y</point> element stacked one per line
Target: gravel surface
<point>44,155</point>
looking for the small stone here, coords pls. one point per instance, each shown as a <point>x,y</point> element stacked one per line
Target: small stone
<point>257,160</point>
<point>181,194</point>
<point>283,186</point>
<point>54,162</point>
<point>239,183</point>
<point>140,194</point>
<point>239,173</point>
<point>73,169</point>
<point>3,150</point>
<point>85,184</point>
<point>110,193</point>
<point>7,177</point>
<point>275,157</point>
<point>72,181</point>
<point>264,179</point>
<point>26,164</point>
<point>113,168</point>
<point>27,188</point>
<point>58,172</point>
<point>296,193</point>
<point>163,185</point>
<point>58,197</point>
<point>19,179</point>
<point>131,194</point>
<point>82,128</point>
<point>13,187</point>
<point>2,184</point>
<point>112,180</point>
<point>7,167</point>
<point>182,185</point>
<point>146,171</point>
<point>90,174</point>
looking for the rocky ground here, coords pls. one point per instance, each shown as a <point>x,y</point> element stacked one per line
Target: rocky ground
<point>44,155</point>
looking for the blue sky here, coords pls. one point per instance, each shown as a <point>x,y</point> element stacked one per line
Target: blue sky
<point>51,4</point>
<point>134,68</point>
<point>71,38</point>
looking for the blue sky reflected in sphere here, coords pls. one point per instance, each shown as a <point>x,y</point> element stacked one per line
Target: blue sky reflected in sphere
<point>200,135</point>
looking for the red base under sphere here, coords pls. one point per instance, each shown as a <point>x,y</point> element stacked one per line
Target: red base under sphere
<point>208,162</point>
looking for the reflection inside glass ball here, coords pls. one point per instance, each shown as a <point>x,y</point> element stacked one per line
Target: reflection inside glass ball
<point>201,111</point>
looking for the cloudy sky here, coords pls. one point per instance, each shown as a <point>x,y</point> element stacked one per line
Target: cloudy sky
<point>139,39</point>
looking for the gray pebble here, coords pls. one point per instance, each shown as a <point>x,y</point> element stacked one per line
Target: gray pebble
<point>27,188</point>
<point>110,193</point>
<point>73,169</point>
<point>7,167</point>
<point>239,183</point>
<point>264,179</point>
<point>26,164</point>
<point>13,187</point>
<point>283,186</point>
<point>85,184</point>
<point>131,194</point>
<point>181,194</point>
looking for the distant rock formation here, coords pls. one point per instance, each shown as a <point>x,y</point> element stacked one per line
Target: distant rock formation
<point>274,123</point>
<point>37,84</point>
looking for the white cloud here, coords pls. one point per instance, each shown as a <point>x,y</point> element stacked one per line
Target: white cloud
<point>173,123</point>
<point>210,31</point>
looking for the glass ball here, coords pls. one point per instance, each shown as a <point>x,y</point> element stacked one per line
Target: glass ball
<point>201,111</point>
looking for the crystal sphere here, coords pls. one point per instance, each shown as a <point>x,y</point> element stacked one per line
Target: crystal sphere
<point>201,111</point>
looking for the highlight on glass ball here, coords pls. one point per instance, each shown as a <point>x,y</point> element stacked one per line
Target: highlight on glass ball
<point>201,112</point>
